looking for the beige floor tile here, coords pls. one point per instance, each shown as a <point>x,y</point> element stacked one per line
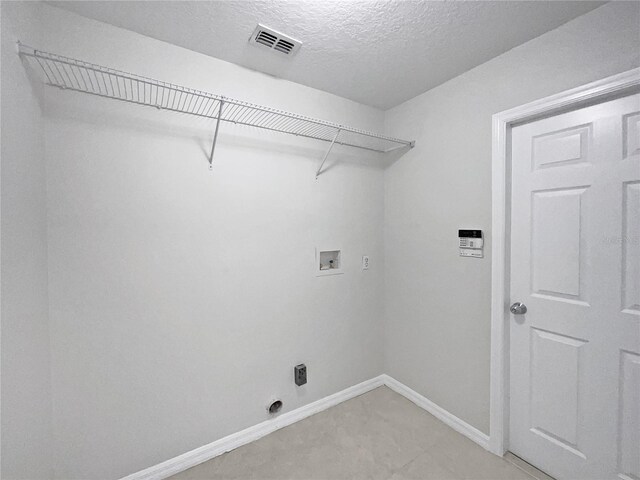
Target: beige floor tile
<point>378,435</point>
<point>425,467</point>
<point>470,461</point>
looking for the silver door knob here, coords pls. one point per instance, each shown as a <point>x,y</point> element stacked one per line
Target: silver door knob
<point>518,308</point>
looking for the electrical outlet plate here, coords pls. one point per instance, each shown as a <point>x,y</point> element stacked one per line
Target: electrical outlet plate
<point>365,262</point>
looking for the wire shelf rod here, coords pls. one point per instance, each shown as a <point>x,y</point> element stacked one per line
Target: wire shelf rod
<point>80,76</point>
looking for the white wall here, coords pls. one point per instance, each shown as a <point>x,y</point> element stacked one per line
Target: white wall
<point>437,304</point>
<point>26,375</point>
<point>181,299</point>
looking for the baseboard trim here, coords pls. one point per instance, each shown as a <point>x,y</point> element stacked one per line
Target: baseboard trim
<point>207,452</point>
<point>437,411</point>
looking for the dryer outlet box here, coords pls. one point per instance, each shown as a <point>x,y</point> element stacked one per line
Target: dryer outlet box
<point>300,374</point>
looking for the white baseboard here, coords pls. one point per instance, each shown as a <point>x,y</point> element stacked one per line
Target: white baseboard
<point>437,411</point>
<point>207,452</point>
<point>251,434</point>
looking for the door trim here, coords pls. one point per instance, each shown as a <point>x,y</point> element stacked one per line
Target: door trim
<point>615,86</point>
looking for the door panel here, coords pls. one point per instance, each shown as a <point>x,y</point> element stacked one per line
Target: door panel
<point>555,259</point>
<point>575,263</point>
<point>631,248</point>
<point>561,148</point>
<point>629,454</point>
<point>554,392</point>
<point>632,134</point>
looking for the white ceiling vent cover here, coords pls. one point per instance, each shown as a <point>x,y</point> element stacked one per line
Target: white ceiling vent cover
<point>273,40</point>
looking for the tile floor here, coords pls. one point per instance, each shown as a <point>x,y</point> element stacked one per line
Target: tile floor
<point>378,435</point>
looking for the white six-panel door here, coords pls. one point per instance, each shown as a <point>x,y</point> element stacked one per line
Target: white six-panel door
<point>575,262</point>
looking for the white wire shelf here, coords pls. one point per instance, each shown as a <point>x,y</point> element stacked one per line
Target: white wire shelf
<point>79,76</point>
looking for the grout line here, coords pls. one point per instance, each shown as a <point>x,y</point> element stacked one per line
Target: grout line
<point>396,470</point>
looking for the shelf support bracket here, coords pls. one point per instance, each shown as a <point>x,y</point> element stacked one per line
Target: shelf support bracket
<point>327,154</point>
<point>215,135</point>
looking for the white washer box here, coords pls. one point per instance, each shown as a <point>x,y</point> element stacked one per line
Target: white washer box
<point>328,261</point>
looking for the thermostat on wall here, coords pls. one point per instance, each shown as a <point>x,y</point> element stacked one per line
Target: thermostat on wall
<point>471,243</point>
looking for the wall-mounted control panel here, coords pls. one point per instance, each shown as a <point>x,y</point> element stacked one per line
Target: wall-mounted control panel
<point>471,243</point>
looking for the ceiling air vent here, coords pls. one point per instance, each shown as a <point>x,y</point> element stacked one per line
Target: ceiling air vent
<point>276,41</point>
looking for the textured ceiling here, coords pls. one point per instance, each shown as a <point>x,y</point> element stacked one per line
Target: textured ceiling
<point>379,53</point>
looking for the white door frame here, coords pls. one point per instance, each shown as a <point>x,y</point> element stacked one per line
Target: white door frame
<point>596,92</point>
